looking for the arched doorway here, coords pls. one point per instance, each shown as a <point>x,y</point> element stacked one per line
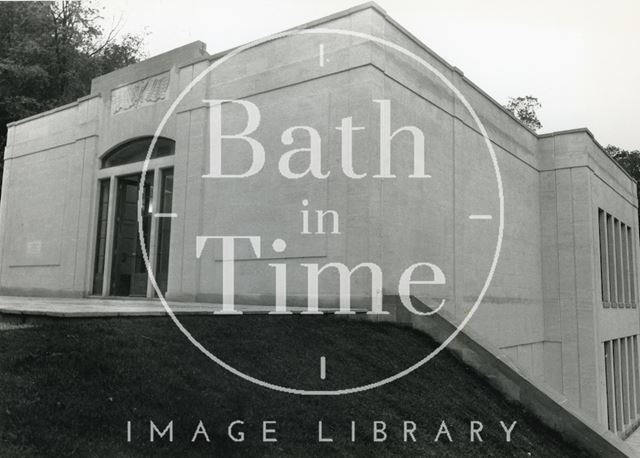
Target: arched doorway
<point>119,268</point>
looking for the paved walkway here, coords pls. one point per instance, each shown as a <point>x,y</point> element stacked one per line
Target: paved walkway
<point>98,307</point>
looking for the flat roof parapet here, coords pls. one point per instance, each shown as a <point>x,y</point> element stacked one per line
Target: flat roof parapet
<point>149,67</point>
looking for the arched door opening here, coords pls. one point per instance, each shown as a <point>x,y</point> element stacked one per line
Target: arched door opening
<point>119,268</point>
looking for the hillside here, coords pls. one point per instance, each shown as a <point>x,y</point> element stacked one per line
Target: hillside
<point>70,386</point>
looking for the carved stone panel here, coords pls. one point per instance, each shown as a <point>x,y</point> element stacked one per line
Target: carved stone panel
<point>141,93</point>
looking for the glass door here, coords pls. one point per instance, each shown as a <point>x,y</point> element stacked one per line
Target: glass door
<point>128,271</point>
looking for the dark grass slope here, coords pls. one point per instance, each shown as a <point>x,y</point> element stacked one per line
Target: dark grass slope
<point>68,388</point>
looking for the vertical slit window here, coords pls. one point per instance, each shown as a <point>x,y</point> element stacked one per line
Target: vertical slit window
<point>637,374</point>
<point>619,275</point>
<point>631,375</point>
<point>609,381</point>
<point>632,270</point>
<point>625,264</point>
<point>616,384</point>
<point>617,262</point>
<point>604,254</point>
<point>624,381</point>
<point>612,262</point>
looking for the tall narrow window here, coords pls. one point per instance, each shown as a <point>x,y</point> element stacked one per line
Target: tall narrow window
<point>634,348</point>
<point>617,262</point>
<point>612,262</point>
<point>625,264</point>
<point>101,237</point>
<point>617,384</point>
<point>631,373</point>
<point>622,382</point>
<point>609,382</point>
<point>632,270</point>
<point>604,255</point>
<point>619,272</point>
<point>164,229</point>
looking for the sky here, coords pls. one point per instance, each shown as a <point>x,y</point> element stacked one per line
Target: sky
<point>580,58</point>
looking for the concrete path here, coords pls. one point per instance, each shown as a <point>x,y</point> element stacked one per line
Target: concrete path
<point>99,307</point>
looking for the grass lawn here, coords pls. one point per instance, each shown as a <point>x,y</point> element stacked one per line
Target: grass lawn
<point>68,388</point>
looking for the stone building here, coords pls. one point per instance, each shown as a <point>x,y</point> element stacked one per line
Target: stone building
<point>562,302</point>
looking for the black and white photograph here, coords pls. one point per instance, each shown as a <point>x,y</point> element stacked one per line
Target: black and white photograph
<point>314,229</point>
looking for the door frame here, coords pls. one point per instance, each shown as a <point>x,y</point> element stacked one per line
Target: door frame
<point>155,168</point>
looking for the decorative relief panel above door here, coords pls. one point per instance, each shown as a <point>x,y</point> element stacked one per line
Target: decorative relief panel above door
<point>141,93</point>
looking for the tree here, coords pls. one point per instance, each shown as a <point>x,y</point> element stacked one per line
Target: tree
<point>629,160</point>
<point>50,52</point>
<point>524,108</point>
